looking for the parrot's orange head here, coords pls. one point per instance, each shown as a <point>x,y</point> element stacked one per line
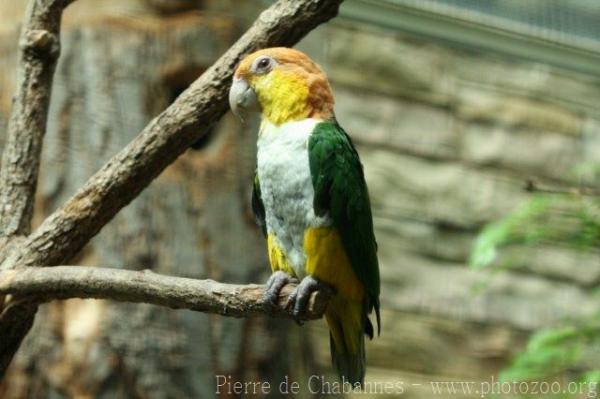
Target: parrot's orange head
<point>282,83</point>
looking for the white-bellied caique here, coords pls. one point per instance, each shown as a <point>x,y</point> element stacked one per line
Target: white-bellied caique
<point>310,198</point>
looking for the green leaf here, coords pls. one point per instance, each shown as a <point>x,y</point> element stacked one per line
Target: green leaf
<point>557,219</point>
<point>516,227</point>
<point>548,353</point>
<point>591,377</point>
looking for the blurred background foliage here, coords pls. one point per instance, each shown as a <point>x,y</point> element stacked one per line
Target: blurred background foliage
<point>557,219</point>
<point>570,218</point>
<point>478,125</point>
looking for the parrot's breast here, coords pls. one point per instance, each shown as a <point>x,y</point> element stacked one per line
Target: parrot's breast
<point>286,187</point>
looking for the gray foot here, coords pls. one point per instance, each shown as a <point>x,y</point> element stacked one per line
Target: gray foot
<point>274,285</point>
<point>301,295</point>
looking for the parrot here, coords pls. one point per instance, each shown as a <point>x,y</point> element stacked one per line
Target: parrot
<point>310,199</point>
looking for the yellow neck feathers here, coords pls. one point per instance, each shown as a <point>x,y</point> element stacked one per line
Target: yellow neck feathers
<point>283,97</point>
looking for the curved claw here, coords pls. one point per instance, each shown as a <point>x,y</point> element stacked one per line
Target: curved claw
<point>300,297</point>
<point>274,285</point>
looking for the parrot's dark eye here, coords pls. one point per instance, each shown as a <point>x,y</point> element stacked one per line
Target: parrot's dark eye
<point>263,65</point>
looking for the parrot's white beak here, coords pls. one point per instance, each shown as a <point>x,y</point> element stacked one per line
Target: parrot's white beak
<point>242,98</point>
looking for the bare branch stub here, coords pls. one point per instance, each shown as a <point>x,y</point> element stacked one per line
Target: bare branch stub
<point>39,50</point>
<point>121,179</point>
<point>43,284</point>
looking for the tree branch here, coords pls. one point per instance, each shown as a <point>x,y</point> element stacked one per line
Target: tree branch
<point>39,50</point>
<point>45,284</point>
<point>120,180</point>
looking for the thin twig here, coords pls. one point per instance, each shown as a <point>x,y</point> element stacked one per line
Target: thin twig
<point>533,186</point>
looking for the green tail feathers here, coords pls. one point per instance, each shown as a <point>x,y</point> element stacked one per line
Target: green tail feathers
<point>348,323</point>
<point>351,367</point>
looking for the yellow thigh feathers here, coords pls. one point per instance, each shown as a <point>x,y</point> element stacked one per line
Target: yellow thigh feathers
<point>326,260</point>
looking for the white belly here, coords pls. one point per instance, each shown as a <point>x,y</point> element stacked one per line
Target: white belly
<point>286,186</point>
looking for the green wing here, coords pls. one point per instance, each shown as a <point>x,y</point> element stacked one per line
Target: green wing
<point>257,206</point>
<point>341,190</point>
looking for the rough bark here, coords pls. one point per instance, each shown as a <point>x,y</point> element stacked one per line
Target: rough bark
<point>44,284</point>
<point>66,231</point>
<point>39,50</point>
